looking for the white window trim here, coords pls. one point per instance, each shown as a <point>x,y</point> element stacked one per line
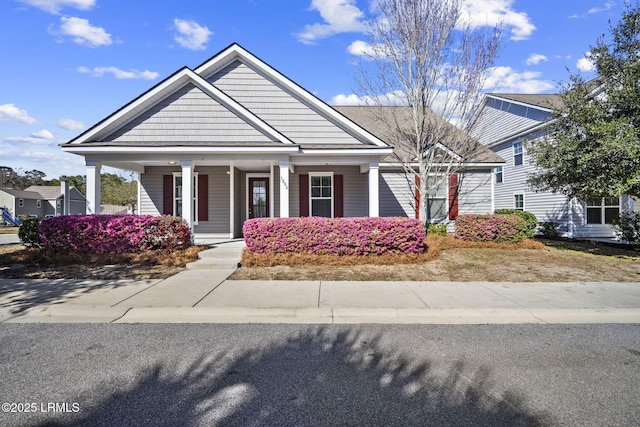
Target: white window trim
<point>602,212</point>
<point>322,198</point>
<point>446,198</point>
<point>246,186</point>
<point>524,201</point>
<point>495,175</point>
<point>195,195</point>
<point>521,153</point>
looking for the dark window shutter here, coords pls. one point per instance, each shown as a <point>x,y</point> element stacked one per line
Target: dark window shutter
<point>304,195</point>
<point>417,197</point>
<point>203,198</point>
<point>453,196</point>
<point>167,194</point>
<point>338,196</point>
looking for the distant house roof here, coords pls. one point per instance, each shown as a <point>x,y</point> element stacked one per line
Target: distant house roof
<point>46,191</point>
<point>36,192</point>
<point>22,194</point>
<point>550,101</point>
<point>369,118</point>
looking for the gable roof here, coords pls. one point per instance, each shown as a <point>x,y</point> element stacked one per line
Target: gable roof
<point>23,194</point>
<point>36,192</point>
<point>367,117</point>
<point>101,133</point>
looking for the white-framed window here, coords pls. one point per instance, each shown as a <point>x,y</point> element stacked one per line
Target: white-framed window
<point>437,203</point>
<point>21,203</point>
<point>602,211</point>
<point>178,195</point>
<point>518,202</point>
<point>321,194</point>
<point>517,153</point>
<point>497,172</point>
<point>38,203</point>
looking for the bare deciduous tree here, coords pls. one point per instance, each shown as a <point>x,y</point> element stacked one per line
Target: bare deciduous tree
<point>423,55</point>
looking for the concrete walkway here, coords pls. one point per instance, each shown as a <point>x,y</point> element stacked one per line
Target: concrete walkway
<point>202,294</point>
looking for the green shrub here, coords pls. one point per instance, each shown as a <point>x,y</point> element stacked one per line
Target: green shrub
<point>29,233</point>
<point>549,229</point>
<point>627,227</point>
<point>530,219</point>
<point>437,229</point>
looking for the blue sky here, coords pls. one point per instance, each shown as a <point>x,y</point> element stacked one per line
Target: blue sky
<point>67,64</point>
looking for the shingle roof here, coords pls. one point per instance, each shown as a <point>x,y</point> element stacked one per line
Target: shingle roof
<point>369,118</point>
<point>551,101</point>
<point>46,191</point>
<point>32,195</point>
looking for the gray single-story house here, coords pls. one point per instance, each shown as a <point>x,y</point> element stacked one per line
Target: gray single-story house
<point>43,201</point>
<point>235,139</point>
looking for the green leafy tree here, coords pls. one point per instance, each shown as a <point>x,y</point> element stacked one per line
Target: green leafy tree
<point>593,148</point>
<point>116,190</point>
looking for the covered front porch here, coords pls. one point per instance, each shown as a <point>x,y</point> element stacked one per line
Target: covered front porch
<point>227,191</point>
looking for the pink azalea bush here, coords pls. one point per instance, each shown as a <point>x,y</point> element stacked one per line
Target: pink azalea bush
<point>110,234</point>
<point>334,236</point>
<point>491,228</point>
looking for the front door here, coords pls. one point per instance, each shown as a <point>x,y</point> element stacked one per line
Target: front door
<point>258,198</point>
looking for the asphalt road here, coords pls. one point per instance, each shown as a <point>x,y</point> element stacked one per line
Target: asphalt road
<point>280,375</point>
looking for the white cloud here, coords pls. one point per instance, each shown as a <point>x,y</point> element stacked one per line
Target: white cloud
<point>29,140</point>
<point>83,33</point>
<point>536,58</point>
<point>118,73</point>
<point>70,124</point>
<point>507,80</point>
<point>191,35</point>
<point>54,6</point>
<point>585,64</point>
<point>607,5</point>
<point>394,98</point>
<point>480,13</point>
<point>340,16</point>
<point>11,112</point>
<point>42,134</point>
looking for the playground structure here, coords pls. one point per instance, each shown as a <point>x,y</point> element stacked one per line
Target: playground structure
<point>7,217</point>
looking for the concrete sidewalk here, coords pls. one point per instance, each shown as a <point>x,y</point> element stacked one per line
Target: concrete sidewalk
<point>202,294</point>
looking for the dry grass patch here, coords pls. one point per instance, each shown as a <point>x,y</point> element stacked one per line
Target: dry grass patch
<point>451,259</point>
<point>435,245</point>
<point>20,262</point>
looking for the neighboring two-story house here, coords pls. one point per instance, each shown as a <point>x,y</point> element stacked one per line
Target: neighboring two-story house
<point>41,201</point>
<point>503,123</point>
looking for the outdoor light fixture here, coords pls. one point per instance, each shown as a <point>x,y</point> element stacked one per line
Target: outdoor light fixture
<point>173,163</point>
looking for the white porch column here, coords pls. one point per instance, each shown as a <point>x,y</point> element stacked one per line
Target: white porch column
<point>284,189</point>
<point>187,192</point>
<point>66,203</point>
<point>232,200</point>
<point>93,187</point>
<point>272,195</point>
<point>374,190</point>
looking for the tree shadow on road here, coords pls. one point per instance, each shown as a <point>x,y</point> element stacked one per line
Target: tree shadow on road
<point>320,377</point>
